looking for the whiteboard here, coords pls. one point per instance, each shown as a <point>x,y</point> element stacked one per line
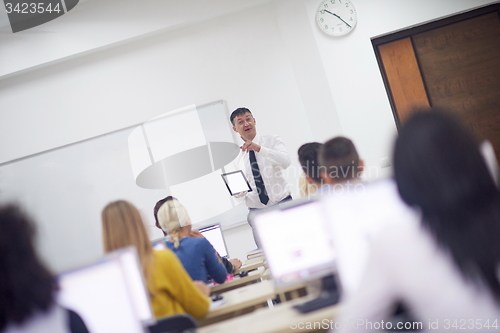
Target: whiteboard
<point>65,189</point>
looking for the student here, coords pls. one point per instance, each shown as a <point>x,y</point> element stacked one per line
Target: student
<point>340,165</point>
<point>27,288</point>
<point>310,181</point>
<point>196,253</point>
<point>171,289</point>
<point>231,265</point>
<point>444,266</point>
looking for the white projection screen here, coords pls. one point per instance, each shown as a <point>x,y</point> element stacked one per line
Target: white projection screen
<point>181,153</point>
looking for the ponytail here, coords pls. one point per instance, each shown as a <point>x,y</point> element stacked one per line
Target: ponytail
<point>172,216</point>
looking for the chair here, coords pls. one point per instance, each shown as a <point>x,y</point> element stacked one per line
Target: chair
<point>181,323</point>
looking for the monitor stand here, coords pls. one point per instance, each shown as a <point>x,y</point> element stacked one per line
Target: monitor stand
<point>329,295</point>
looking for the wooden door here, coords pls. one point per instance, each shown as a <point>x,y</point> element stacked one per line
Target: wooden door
<point>453,64</point>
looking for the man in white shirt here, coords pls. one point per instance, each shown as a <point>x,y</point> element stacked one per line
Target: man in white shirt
<point>263,159</point>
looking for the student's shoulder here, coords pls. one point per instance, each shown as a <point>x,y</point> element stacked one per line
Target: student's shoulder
<point>193,242</point>
<point>198,242</point>
<point>203,241</point>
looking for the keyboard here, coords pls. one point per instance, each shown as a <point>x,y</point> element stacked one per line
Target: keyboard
<point>324,300</point>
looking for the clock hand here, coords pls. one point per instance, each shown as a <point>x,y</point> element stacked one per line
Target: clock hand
<point>329,12</point>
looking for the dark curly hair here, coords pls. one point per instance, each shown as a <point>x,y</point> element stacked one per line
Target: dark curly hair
<point>26,286</point>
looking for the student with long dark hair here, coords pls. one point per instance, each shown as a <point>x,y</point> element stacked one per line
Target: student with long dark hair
<point>455,192</point>
<point>444,266</point>
<point>27,288</point>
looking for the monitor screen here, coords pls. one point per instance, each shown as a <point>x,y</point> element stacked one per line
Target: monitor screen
<point>214,235</point>
<point>236,182</point>
<point>358,216</point>
<point>296,241</point>
<point>109,294</point>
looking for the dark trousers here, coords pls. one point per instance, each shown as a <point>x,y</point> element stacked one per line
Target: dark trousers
<point>250,210</point>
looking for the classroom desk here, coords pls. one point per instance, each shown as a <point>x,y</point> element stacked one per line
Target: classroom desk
<point>251,265</point>
<point>257,253</point>
<point>252,277</point>
<point>293,291</point>
<point>266,274</point>
<point>240,301</point>
<point>279,319</point>
<point>244,297</point>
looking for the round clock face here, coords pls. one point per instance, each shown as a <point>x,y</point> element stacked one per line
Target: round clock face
<point>336,17</point>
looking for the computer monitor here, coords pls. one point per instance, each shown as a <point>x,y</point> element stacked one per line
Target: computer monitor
<point>296,241</point>
<point>109,295</point>
<point>213,234</point>
<point>357,216</point>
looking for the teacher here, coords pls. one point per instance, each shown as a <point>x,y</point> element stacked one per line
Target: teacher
<point>263,160</point>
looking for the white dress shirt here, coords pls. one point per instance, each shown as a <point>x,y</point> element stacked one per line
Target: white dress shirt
<point>272,159</point>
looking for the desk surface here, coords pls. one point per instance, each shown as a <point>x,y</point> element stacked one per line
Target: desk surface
<point>251,277</point>
<point>257,253</point>
<point>279,319</point>
<point>242,298</point>
<point>251,264</point>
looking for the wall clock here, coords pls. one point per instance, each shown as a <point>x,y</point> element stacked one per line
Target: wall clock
<point>336,17</point>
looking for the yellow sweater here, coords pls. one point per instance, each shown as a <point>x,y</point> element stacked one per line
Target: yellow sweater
<point>175,291</point>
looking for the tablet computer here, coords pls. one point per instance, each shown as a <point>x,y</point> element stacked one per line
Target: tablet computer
<point>236,182</point>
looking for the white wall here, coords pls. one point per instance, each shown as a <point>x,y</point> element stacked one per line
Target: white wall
<point>353,73</point>
<point>97,24</point>
<point>241,59</point>
<point>239,241</point>
<point>107,69</point>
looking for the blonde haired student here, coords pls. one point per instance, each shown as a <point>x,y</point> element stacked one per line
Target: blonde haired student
<point>196,253</point>
<point>171,289</point>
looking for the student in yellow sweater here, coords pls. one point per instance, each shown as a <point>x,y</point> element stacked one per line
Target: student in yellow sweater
<point>171,289</point>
